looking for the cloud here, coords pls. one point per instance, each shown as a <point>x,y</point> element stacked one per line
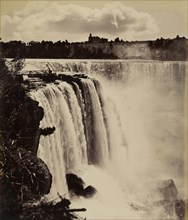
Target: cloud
<point>54,21</point>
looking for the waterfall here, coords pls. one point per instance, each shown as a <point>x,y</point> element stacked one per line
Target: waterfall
<point>84,130</point>
<point>97,138</point>
<point>120,128</point>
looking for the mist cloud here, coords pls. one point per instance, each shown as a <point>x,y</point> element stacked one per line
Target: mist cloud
<point>54,21</point>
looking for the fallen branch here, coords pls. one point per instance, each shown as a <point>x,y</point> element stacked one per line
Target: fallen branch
<point>77,210</point>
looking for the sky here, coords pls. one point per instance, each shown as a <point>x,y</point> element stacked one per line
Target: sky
<point>74,20</point>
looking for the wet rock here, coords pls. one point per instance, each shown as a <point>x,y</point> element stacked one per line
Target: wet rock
<point>48,77</point>
<point>89,191</point>
<point>47,131</point>
<point>76,186</point>
<point>75,183</point>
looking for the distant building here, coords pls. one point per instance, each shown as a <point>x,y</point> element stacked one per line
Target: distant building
<point>96,39</point>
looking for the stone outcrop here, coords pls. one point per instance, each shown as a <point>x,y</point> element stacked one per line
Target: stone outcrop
<point>28,175</point>
<point>76,186</point>
<point>20,115</point>
<point>47,131</point>
<point>89,191</point>
<point>25,129</point>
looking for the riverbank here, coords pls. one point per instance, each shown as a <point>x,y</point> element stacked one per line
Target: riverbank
<point>160,49</point>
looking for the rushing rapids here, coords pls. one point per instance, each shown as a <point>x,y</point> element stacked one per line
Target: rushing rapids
<point>119,132</point>
<point>124,70</point>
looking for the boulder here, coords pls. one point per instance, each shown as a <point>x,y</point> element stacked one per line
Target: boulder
<point>75,184</point>
<point>89,191</point>
<point>47,131</point>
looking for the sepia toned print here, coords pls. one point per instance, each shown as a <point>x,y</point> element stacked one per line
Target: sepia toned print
<point>93,110</point>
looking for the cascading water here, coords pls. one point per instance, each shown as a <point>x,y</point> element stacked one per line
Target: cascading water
<point>118,144</point>
<point>80,137</point>
<point>97,138</point>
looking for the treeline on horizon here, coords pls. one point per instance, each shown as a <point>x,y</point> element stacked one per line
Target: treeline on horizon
<point>77,50</point>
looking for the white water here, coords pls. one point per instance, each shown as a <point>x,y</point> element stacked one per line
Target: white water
<point>137,125</point>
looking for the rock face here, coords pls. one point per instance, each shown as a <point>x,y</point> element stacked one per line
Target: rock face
<point>29,175</point>
<point>26,125</point>
<point>76,186</point>
<point>20,116</point>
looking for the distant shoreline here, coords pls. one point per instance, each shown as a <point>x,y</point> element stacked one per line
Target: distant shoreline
<point>161,49</point>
